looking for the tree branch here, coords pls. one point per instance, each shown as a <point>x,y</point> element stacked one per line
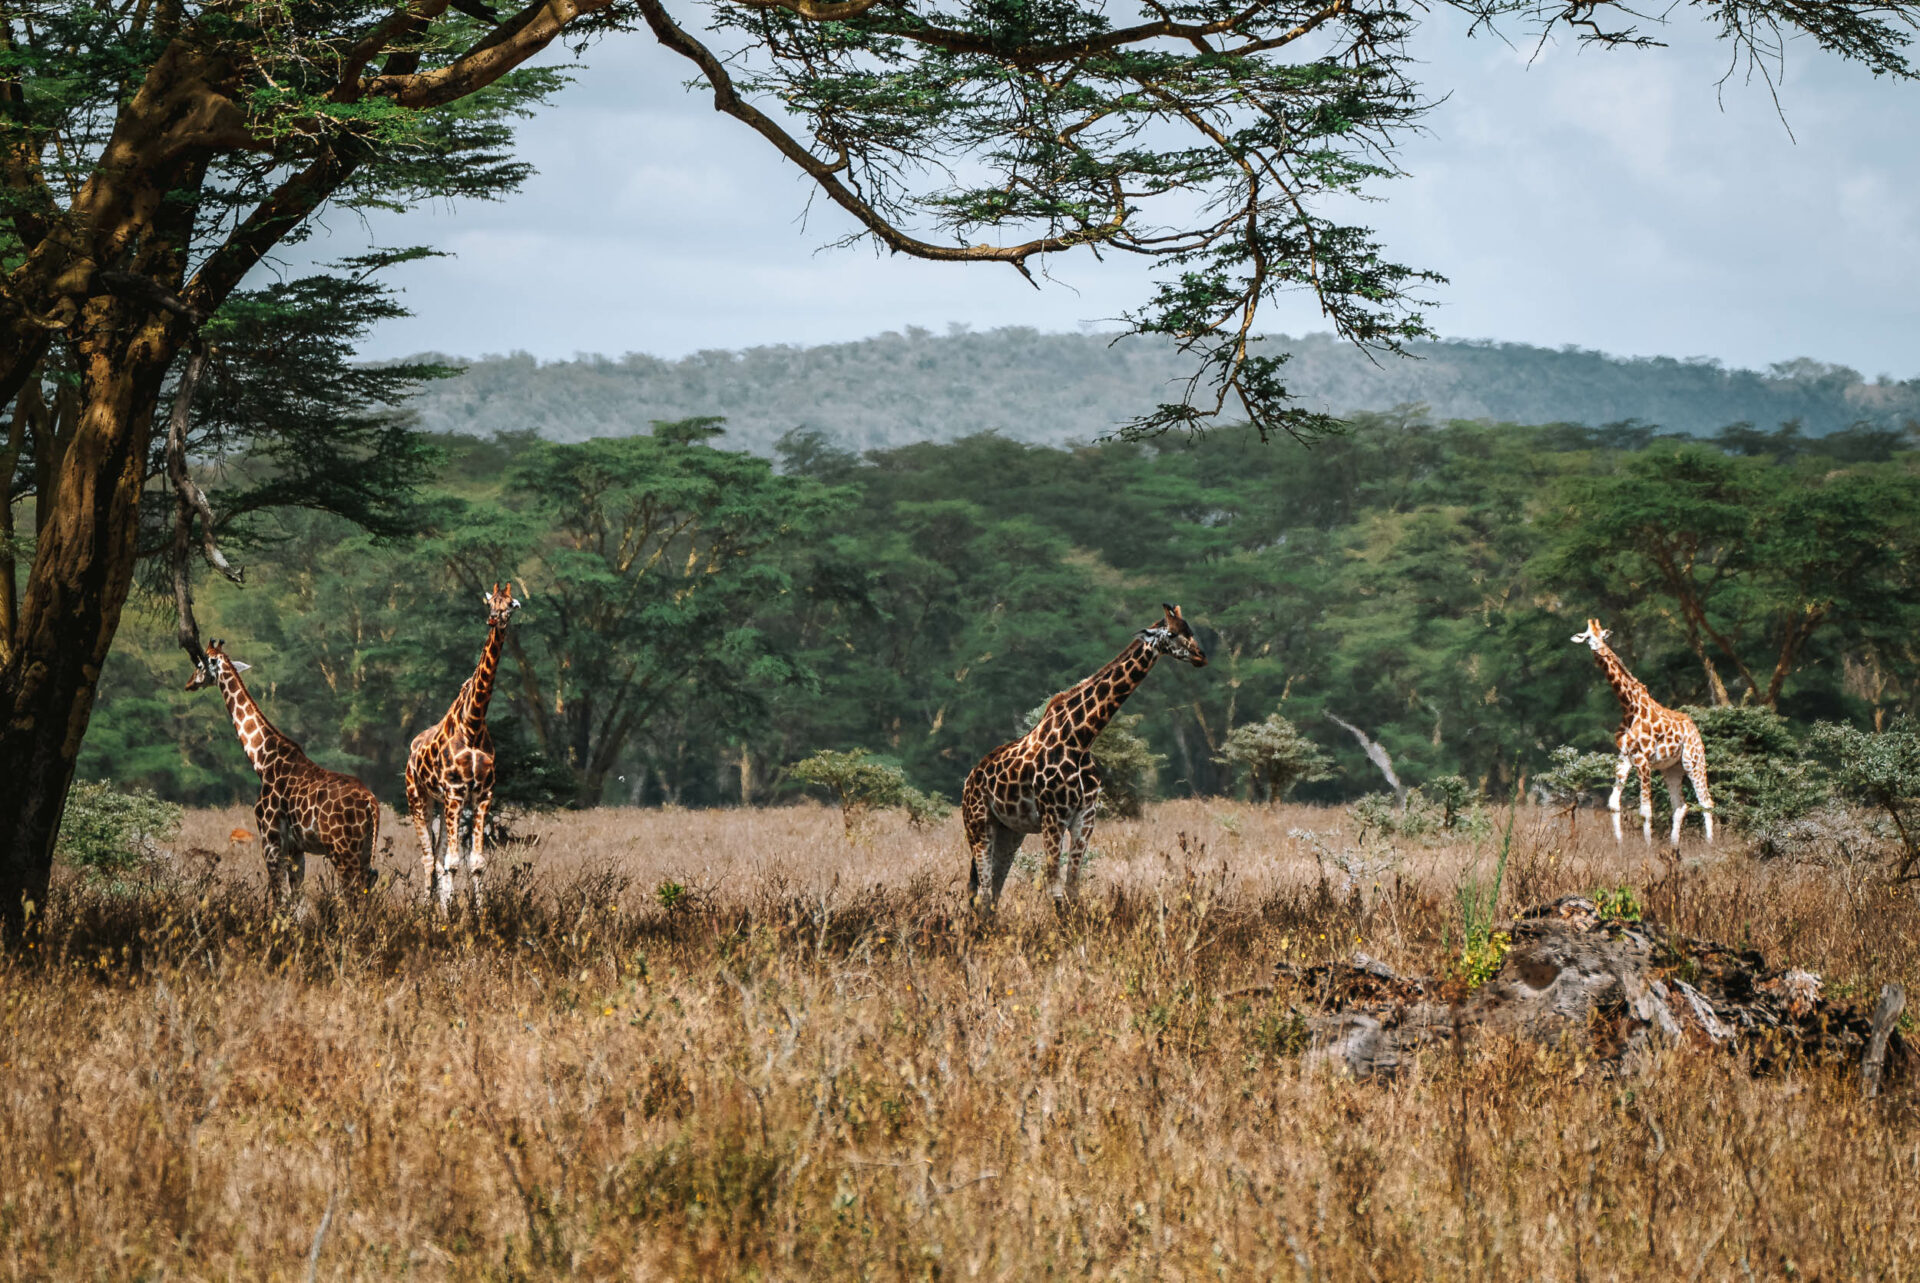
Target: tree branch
<point>189,502</point>
<point>726,99</point>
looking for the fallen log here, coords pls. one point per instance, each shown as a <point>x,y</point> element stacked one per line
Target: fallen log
<point>1624,986</point>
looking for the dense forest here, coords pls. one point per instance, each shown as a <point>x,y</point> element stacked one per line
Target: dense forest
<point>698,618</point>
<point>897,389</point>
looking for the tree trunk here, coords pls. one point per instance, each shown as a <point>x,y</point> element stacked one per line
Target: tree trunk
<point>82,570</point>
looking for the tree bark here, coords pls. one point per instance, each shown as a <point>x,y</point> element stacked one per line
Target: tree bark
<point>82,570</point>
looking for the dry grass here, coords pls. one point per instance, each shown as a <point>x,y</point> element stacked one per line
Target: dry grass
<point>814,1066</point>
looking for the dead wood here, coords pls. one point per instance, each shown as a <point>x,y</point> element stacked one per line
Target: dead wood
<point>1623,987</point>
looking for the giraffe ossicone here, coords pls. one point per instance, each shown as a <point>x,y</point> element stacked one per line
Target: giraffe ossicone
<point>1045,782</point>
<point>1652,737</point>
<point>304,809</point>
<point>450,769</point>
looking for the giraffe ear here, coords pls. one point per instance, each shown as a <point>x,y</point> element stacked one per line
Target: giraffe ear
<point>1173,612</point>
<point>238,666</point>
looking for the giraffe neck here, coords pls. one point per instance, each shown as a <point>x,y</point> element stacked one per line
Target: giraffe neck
<point>478,691</point>
<point>1629,689</point>
<point>258,736</point>
<point>1079,713</point>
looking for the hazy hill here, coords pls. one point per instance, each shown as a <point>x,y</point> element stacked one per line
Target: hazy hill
<point>918,386</point>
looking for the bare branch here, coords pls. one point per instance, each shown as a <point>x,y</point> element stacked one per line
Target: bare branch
<point>189,502</point>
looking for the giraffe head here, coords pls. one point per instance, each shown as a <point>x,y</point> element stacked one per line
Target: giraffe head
<point>207,671</point>
<point>1171,637</point>
<point>1595,637</point>
<point>501,603</point>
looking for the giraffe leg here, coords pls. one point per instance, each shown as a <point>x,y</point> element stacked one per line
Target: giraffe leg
<point>1619,786</point>
<point>1646,798</point>
<point>449,846</point>
<point>421,812</point>
<point>978,822</point>
<point>1006,843</point>
<point>1051,834</point>
<point>1679,799</point>
<point>1697,775</point>
<point>477,855</point>
<point>266,818</point>
<point>1079,838</point>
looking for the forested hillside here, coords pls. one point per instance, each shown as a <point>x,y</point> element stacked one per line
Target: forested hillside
<point>696,620</point>
<point>1054,388</point>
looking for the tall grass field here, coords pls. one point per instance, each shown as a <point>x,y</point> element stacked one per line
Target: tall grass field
<point>744,1044</point>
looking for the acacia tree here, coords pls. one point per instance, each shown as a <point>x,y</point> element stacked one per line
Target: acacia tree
<point>1749,562</point>
<point>155,151</point>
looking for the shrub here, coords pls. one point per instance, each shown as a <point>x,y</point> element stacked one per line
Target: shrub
<point>1275,756</point>
<point>111,832</point>
<point>862,784</point>
<point>1379,814</point>
<point>1127,764</point>
<point>1758,772</point>
<point>1880,769</point>
<point>1576,777</point>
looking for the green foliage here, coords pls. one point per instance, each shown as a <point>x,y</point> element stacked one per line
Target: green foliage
<point>1483,948</point>
<point>109,831</point>
<point>1126,762</point>
<point>1382,815</point>
<point>860,785</point>
<point>1574,777</point>
<point>1880,769</point>
<point>1757,770</point>
<point>917,602</point>
<point>1457,801</point>
<point>1617,902</point>
<point>1275,756</point>
<point>525,777</point>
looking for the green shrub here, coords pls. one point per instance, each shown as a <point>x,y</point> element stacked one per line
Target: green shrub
<point>1577,777</point>
<point>1757,770</point>
<point>862,784</point>
<point>1880,769</point>
<point>1127,764</point>
<point>111,832</point>
<point>1379,814</point>
<point>1275,756</point>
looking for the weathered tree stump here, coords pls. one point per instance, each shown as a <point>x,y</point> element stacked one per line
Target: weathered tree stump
<point>1624,986</point>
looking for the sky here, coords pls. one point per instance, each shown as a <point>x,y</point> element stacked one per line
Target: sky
<point>1620,200</point>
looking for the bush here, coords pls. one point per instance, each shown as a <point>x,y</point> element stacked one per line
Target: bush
<point>862,784</point>
<point>1275,756</point>
<point>525,778</point>
<point>1448,804</point>
<point>1127,764</point>
<point>1757,771</point>
<point>1576,777</point>
<point>1880,769</point>
<point>110,832</point>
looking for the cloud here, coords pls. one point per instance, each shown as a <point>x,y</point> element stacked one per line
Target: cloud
<point>1617,200</point>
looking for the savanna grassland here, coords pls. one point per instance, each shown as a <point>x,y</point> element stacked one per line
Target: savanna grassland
<point>738,1044</point>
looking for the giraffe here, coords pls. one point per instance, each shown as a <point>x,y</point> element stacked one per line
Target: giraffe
<point>1651,737</point>
<point>303,808</point>
<point>1045,781</point>
<point>450,767</point>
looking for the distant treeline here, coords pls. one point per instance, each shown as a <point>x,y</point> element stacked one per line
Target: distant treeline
<point>1057,388</point>
<point>698,618</point>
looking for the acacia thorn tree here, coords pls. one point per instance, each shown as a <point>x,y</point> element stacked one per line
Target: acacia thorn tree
<point>156,151</point>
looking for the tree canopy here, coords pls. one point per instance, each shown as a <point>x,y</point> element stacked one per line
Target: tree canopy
<point>156,152</point>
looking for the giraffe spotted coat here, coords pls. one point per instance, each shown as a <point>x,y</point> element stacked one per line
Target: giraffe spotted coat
<point>1651,738</point>
<point>450,769</point>
<point>304,809</point>
<point>1045,782</point>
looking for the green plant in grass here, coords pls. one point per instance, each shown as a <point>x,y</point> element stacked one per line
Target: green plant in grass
<point>113,832</point>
